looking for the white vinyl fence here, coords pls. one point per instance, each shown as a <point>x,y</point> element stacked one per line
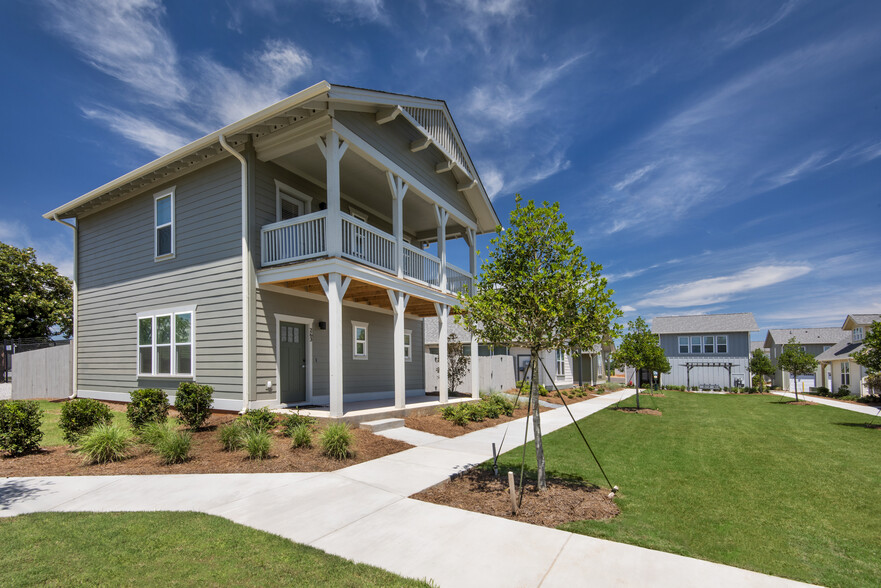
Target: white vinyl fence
<point>496,374</point>
<point>42,373</point>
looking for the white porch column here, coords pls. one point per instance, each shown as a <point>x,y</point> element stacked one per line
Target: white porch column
<point>399,189</point>
<point>399,304</point>
<point>471,237</point>
<point>335,288</point>
<point>443,315</point>
<point>442,217</point>
<point>333,149</point>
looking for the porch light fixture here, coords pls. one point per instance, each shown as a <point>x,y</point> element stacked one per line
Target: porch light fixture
<point>322,325</point>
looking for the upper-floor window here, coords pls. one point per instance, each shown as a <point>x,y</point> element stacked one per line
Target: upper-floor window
<point>709,344</point>
<point>561,363</point>
<point>857,334</point>
<point>845,374</point>
<point>721,343</point>
<point>163,223</point>
<point>683,344</point>
<point>825,347</point>
<point>290,202</point>
<point>695,344</point>
<point>359,340</point>
<point>408,345</point>
<point>166,343</point>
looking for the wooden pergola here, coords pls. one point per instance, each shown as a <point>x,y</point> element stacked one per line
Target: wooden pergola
<point>689,365</point>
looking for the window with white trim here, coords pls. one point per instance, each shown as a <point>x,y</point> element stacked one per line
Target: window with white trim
<point>290,202</point>
<point>857,334</point>
<point>166,343</point>
<point>163,224</point>
<point>709,344</point>
<point>359,340</point>
<point>561,363</point>
<point>695,344</point>
<point>721,343</point>
<point>683,344</point>
<point>845,374</point>
<point>408,345</point>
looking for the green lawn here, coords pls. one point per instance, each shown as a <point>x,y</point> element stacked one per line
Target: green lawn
<point>163,549</point>
<point>51,415</point>
<point>750,481</point>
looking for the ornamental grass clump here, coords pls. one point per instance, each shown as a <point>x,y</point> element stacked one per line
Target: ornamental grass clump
<point>231,437</point>
<point>193,403</point>
<point>78,416</point>
<point>257,443</point>
<point>293,421</point>
<point>261,419</point>
<point>301,436</point>
<point>20,422</point>
<point>105,443</point>
<point>336,441</point>
<point>168,443</point>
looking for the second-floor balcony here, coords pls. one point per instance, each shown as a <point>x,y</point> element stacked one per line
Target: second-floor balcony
<point>309,237</point>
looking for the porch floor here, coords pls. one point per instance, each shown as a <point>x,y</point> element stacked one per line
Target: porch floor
<point>355,412</point>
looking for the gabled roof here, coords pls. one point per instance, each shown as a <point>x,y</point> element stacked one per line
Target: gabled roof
<point>816,336</point>
<point>841,350</point>
<point>704,323</point>
<point>855,320</point>
<point>428,116</point>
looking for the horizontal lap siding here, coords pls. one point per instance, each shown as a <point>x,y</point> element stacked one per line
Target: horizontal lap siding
<point>119,278</point>
<point>702,375</point>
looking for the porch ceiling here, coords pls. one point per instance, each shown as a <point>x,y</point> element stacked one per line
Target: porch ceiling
<point>363,293</point>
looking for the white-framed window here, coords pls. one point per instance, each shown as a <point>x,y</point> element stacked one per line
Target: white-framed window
<point>709,344</point>
<point>166,342</point>
<point>802,348</point>
<point>290,202</point>
<point>359,340</point>
<point>857,334</point>
<point>561,363</point>
<point>721,343</point>
<point>845,374</point>
<point>408,345</point>
<point>683,344</point>
<point>163,224</point>
<point>695,344</point>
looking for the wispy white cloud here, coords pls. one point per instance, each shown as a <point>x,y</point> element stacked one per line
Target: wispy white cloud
<point>740,35</point>
<point>157,140</point>
<point>362,10</point>
<point>723,288</point>
<point>627,308</point>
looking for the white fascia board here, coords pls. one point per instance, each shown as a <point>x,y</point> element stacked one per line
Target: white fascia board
<point>206,141</point>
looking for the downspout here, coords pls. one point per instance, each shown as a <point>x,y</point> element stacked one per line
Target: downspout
<point>74,338</point>
<point>246,281</point>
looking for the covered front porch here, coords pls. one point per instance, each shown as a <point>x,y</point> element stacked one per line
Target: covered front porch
<point>359,411</point>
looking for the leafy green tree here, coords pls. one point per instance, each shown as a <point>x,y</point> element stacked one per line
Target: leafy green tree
<point>761,367</point>
<point>537,288</point>
<point>869,356</point>
<point>640,350</point>
<point>796,361</point>
<point>658,363</point>
<point>34,298</point>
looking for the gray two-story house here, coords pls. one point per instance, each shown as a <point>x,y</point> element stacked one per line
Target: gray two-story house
<point>708,351</point>
<point>814,341</point>
<point>286,259</point>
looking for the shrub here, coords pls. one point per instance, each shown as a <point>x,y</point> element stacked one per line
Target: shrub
<point>489,410</point>
<point>105,443</point>
<point>870,399</point>
<point>336,441</point>
<point>174,446</point>
<point>149,405</point>
<point>301,436</point>
<point>193,402</point>
<point>844,390</point>
<point>459,415</point>
<point>20,422</point>
<point>293,422</point>
<point>258,420</point>
<point>506,407</point>
<point>822,391</point>
<point>80,415</point>
<point>257,443</point>
<point>231,437</point>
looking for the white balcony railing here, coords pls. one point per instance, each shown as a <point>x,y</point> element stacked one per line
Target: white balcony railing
<point>294,239</point>
<point>458,280</point>
<point>421,266</point>
<point>367,244</point>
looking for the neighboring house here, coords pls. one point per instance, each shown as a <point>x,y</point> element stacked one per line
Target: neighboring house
<point>814,341</point>
<point>590,370</point>
<point>837,369</point>
<point>282,259</point>
<point>709,351</point>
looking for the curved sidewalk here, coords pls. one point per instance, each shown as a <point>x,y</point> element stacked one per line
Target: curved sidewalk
<point>363,513</point>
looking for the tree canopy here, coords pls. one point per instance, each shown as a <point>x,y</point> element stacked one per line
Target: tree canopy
<point>796,361</point>
<point>538,289</point>
<point>35,300</point>
<point>761,367</point>
<point>869,356</point>
<point>640,350</point>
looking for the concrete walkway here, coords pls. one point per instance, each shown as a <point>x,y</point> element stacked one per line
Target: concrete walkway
<point>863,408</point>
<point>363,513</point>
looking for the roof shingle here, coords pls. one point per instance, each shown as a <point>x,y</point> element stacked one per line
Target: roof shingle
<point>705,323</point>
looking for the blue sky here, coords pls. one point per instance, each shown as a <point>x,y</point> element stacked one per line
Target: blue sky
<point>714,157</point>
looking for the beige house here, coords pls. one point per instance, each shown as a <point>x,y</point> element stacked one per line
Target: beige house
<point>837,368</point>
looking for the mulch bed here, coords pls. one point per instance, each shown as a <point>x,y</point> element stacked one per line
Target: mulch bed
<point>207,456</point>
<point>563,501</point>
<point>802,403</point>
<point>437,425</point>
<point>651,411</point>
<point>554,398</point>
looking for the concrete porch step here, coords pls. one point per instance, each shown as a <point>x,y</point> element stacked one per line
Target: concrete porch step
<point>382,425</point>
